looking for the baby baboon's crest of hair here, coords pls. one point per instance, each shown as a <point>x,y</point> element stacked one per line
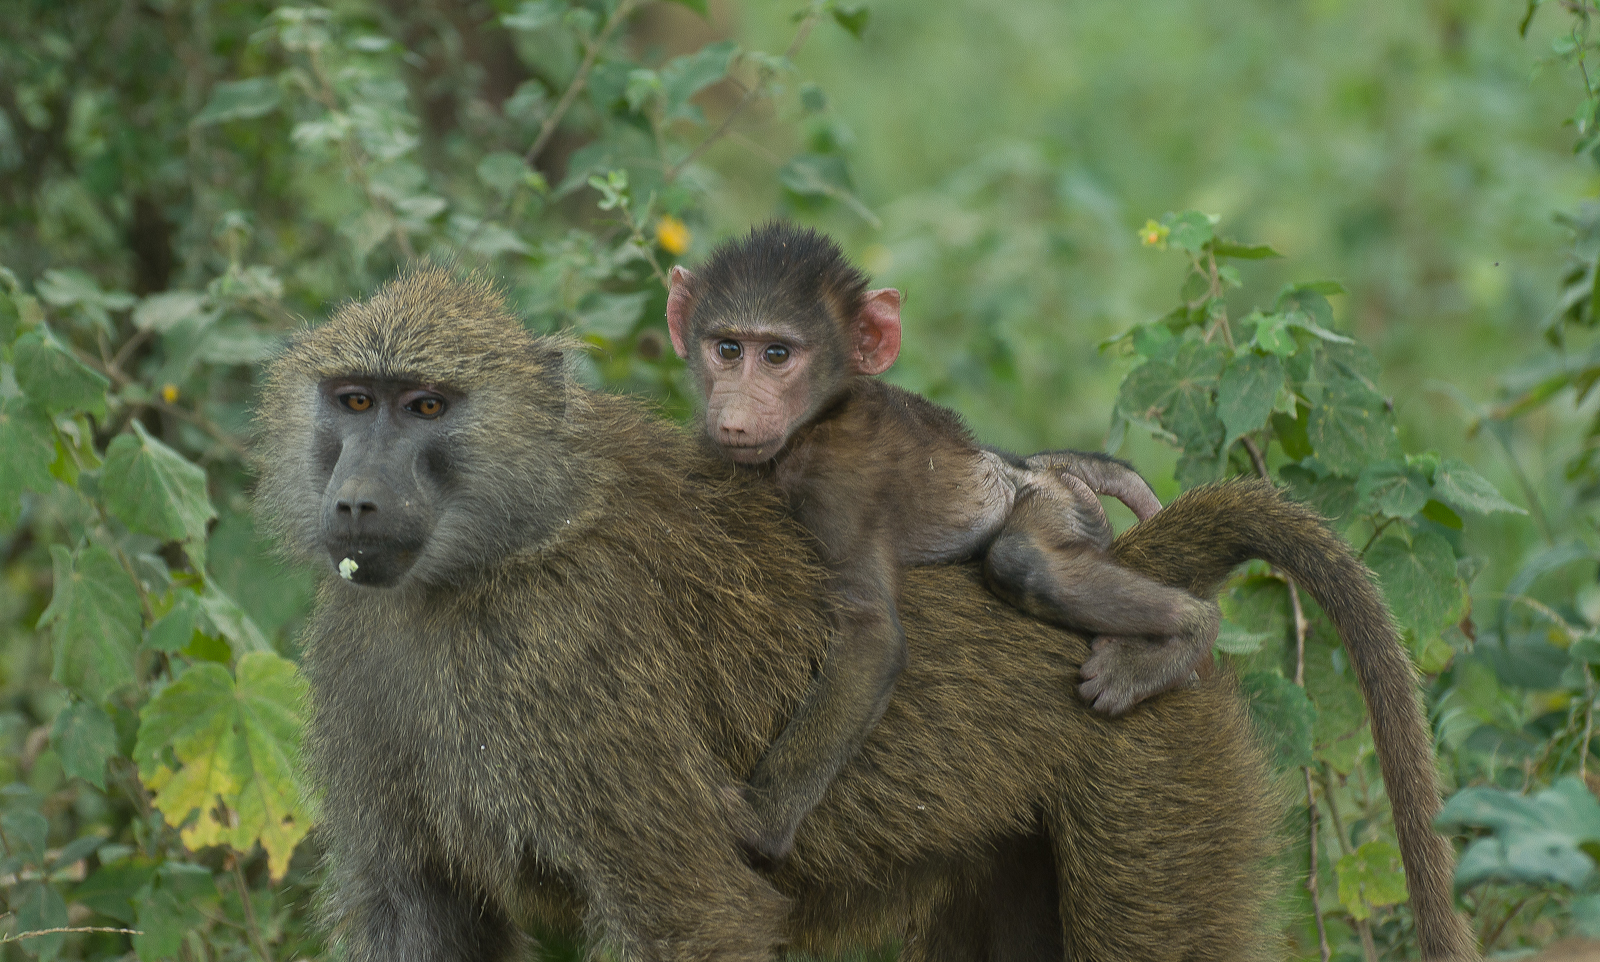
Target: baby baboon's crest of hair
<point>779,270</point>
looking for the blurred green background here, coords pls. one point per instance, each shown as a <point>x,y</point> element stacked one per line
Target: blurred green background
<point>183,181</point>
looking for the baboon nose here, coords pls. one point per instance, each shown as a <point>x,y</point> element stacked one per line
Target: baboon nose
<point>356,504</point>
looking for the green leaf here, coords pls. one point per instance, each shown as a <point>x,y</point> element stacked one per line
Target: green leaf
<point>154,489</point>
<point>683,77</point>
<point>503,171</point>
<point>535,15</point>
<point>816,175</point>
<point>1395,489</point>
<point>1283,716</point>
<point>1247,252</point>
<point>1272,334</point>
<point>163,312</point>
<point>1369,877</point>
<point>1350,427</point>
<point>698,6</point>
<point>10,319</point>
<point>1246,393</point>
<point>163,922</point>
<point>1440,513</point>
<point>27,447</point>
<point>1419,581</point>
<point>84,738</point>
<point>39,907</point>
<point>174,630</point>
<point>95,618</point>
<point>1176,390</point>
<point>1192,231</point>
<point>852,17</point>
<point>236,743</point>
<point>1534,840</point>
<point>54,379</point>
<point>240,100</point>
<point>1465,489</point>
<point>612,315</point>
<point>113,888</point>
<point>27,834</point>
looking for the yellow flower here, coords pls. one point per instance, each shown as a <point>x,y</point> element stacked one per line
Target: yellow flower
<point>673,235</point>
<point>169,393</point>
<point>1153,234</point>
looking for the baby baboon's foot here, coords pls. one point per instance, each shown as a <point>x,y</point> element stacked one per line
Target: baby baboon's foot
<point>1121,672</point>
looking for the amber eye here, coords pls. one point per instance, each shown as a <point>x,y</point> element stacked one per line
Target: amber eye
<point>775,354</point>
<point>729,350</point>
<point>356,401</point>
<point>427,407</point>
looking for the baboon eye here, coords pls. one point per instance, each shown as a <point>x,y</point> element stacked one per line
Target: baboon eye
<point>356,401</point>
<point>427,406</point>
<point>776,354</point>
<point>729,350</point>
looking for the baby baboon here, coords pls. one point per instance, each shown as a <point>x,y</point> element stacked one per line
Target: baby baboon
<point>781,333</point>
<point>568,629</point>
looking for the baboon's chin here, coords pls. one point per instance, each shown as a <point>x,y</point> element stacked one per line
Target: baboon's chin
<point>373,565</point>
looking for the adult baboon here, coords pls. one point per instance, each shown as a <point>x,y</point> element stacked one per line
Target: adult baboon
<point>552,634</point>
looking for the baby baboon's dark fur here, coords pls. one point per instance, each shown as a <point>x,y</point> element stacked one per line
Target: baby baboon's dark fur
<point>546,715</point>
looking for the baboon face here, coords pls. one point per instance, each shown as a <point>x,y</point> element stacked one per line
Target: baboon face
<point>409,441</point>
<point>386,448</point>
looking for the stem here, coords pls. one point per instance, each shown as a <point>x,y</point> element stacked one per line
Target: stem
<point>68,929</point>
<point>579,80</point>
<point>1588,721</point>
<point>249,913</point>
<point>1364,928</point>
<point>1311,876</point>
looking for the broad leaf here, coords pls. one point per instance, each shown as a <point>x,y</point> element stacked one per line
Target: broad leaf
<point>235,743</point>
<point>27,446</point>
<point>1350,428</point>
<point>683,77</point>
<point>154,489</point>
<point>1464,489</point>
<point>1394,488</point>
<point>95,617</point>
<point>1553,836</point>
<point>39,907</point>
<point>84,738</point>
<point>1246,393</point>
<point>1369,877</point>
<point>1283,715</point>
<point>54,379</point>
<point>1419,581</point>
<point>240,100</point>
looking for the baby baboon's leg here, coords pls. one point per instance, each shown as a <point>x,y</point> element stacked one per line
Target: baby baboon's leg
<point>1048,561</point>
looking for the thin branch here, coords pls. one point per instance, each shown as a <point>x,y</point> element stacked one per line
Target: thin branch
<point>579,80</point>
<point>67,930</point>
<point>249,913</point>
<point>1311,876</point>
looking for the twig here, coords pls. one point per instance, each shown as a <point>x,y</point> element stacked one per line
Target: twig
<point>249,913</point>
<point>1311,876</point>
<point>67,930</point>
<point>579,80</point>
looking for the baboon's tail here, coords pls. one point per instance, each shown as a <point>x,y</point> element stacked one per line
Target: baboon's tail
<point>1195,543</point>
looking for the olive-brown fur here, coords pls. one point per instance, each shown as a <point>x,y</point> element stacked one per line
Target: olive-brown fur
<point>551,726</point>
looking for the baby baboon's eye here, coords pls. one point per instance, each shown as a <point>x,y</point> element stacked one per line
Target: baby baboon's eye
<point>729,350</point>
<point>776,354</point>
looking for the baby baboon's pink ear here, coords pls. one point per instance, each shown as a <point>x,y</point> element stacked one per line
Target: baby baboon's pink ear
<point>877,340</point>
<point>680,302</point>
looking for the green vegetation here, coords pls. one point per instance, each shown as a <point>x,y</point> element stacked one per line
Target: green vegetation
<point>183,181</point>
